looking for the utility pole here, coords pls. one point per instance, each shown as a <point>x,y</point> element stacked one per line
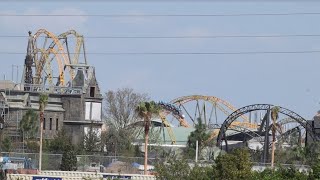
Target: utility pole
<point>197,149</point>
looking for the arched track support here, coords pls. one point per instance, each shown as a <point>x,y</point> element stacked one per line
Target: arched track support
<point>79,43</point>
<point>39,62</point>
<point>241,111</point>
<point>222,105</point>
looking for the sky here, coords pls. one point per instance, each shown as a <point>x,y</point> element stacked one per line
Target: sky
<point>290,80</point>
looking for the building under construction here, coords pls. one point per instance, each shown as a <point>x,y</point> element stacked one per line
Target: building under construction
<point>57,66</point>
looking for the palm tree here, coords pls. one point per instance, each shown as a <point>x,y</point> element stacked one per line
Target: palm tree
<point>145,110</point>
<point>43,101</point>
<point>274,116</point>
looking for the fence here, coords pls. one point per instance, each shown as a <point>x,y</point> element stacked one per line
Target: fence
<point>86,163</point>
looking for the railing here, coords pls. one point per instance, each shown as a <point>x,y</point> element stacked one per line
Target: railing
<point>53,89</point>
<point>73,175</point>
<point>85,163</point>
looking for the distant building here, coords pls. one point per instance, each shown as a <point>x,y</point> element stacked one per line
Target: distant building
<point>73,109</point>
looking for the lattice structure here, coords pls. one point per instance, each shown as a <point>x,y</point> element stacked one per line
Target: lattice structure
<point>54,61</point>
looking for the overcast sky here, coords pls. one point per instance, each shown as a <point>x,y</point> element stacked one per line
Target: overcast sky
<point>289,80</point>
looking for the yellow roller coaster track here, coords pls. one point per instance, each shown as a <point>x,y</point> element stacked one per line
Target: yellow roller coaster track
<point>219,103</point>
<point>168,127</point>
<point>214,100</point>
<point>45,56</point>
<point>60,53</point>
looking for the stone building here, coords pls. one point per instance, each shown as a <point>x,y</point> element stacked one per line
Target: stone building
<point>75,109</point>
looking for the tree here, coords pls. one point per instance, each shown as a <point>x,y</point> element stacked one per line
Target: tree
<point>120,105</point>
<point>60,142</point>
<point>6,144</point>
<point>173,169</point>
<point>69,159</point>
<point>274,116</point>
<point>119,142</point>
<point>29,125</point>
<point>145,110</point>
<point>200,135</point>
<point>43,101</point>
<point>235,165</point>
<point>180,169</point>
<point>119,112</point>
<point>92,140</point>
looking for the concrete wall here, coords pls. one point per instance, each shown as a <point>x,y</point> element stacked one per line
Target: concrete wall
<point>74,107</point>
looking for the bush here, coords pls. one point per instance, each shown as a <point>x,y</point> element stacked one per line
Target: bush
<point>235,165</point>
<point>69,159</point>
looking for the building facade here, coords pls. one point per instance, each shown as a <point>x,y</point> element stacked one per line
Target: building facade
<point>73,109</point>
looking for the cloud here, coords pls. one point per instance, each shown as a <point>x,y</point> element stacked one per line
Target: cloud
<point>55,24</point>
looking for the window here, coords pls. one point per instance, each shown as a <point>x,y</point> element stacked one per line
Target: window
<point>96,111</point>
<point>92,91</point>
<point>44,123</point>
<point>93,111</point>
<point>57,124</point>
<point>50,125</point>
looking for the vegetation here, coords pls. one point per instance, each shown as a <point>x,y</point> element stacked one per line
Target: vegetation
<point>59,144</point>
<point>236,164</point>
<point>120,105</point>
<point>145,110</point>
<point>29,125</point>
<point>199,135</point>
<point>232,166</point>
<point>92,140</point>
<point>119,142</point>
<point>69,159</point>
<point>6,144</point>
<point>119,111</point>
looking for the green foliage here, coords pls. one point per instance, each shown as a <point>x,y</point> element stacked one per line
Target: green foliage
<point>199,135</point>
<point>201,173</point>
<point>29,124</point>
<point>312,153</point>
<point>43,101</point>
<point>315,170</point>
<point>119,142</point>
<point>32,146</point>
<point>60,142</point>
<point>172,170</point>
<point>69,159</point>
<point>147,109</point>
<point>235,165</point>
<point>180,169</point>
<point>6,144</point>
<point>280,174</point>
<point>92,141</point>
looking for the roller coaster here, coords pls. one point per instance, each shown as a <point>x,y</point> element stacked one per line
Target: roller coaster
<point>186,109</point>
<point>53,61</point>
